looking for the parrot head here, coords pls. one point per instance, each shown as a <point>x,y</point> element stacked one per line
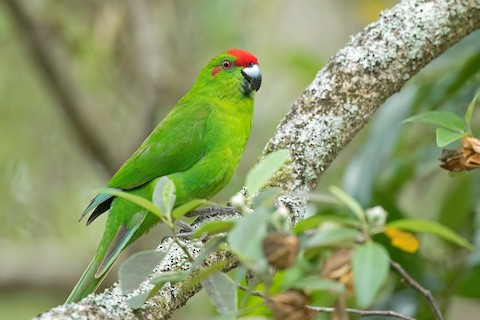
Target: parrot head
<point>235,70</point>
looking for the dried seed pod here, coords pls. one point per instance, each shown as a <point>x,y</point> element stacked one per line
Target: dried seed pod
<point>281,249</point>
<point>467,157</point>
<point>291,305</point>
<point>338,267</point>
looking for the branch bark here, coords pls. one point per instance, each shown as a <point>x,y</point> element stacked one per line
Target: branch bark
<point>358,79</point>
<point>336,105</point>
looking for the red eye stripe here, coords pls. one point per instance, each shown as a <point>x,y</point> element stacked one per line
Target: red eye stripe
<point>216,70</point>
<point>243,57</point>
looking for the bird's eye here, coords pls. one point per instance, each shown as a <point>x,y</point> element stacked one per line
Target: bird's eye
<point>226,64</point>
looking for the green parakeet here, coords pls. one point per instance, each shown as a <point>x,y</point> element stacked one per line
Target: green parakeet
<point>198,146</point>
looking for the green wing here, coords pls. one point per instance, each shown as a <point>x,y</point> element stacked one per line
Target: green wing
<point>174,146</point>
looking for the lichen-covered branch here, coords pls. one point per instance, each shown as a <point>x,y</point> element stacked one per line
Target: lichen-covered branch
<point>358,79</point>
<point>336,105</point>
<point>112,303</point>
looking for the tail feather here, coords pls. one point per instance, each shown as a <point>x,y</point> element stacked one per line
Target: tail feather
<point>100,203</point>
<point>105,258</point>
<point>87,284</point>
<point>119,243</point>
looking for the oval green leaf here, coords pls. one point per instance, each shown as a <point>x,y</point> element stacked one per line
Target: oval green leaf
<point>169,276</point>
<point>210,246</point>
<point>259,175</point>
<point>222,291</point>
<point>142,202</point>
<point>350,202</point>
<point>214,227</point>
<point>427,226</point>
<point>137,301</point>
<point>137,268</point>
<point>185,208</point>
<point>445,137</point>
<point>164,195</point>
<point>315,221</point>
<point>444,119</point>
<point>370,264</point>
<point>246,239</point>
<point>331,236</point>
<point>469,113</point>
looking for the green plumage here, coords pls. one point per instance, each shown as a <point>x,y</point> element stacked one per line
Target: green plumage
<point>198,145</point>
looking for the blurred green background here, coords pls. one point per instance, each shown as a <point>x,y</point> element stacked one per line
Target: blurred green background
<point>125,63</point>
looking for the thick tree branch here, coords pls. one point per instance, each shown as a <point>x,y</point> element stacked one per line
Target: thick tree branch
<point>358,79</point>
<point>337,104</point>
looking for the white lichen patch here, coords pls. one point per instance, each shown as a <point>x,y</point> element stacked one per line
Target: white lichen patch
<point>110,304</point>
<point>399,35</point>
<point>351,108</point>
<point>296,204</point>
<point>320,87</point>
<point>311,138</point>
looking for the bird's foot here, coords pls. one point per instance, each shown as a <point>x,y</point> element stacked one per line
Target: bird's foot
<point>210,212</point>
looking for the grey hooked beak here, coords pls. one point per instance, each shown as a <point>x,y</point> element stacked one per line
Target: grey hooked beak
<point>253,76</point>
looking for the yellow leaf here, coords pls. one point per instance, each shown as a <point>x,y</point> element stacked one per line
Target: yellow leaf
<point>405,241</point>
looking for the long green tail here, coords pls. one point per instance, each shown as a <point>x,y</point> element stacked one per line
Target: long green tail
<point>104,260</point>
<point>87,283</point>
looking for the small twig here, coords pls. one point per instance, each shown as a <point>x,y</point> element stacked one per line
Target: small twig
<point>416,286</point>
<point>190,258</point>
<point>254,292</point>
<point>364,313</point>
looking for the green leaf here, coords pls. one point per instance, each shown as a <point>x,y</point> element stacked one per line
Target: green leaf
<point>445,137</point>
<point>137,301</point>
<point>370,264</point>
<point>246,239</point>
<point>315,221</point>
<point>427,226</point>
<point>214,227</point>
<point>142,202</point>
<point>469,112</point>
<point>210,246</point>
<point>259,175</point>
<point>207,271</point>
<point>164,196</point>
<point>168,276</point>
<point>185,208</point>
<point>137,268</point>
<point>331,236</point>
<point>444,119</point>
<point>316,283</point>
<point>350,202</point>
<point>266,198</point>
<point>222,291</point>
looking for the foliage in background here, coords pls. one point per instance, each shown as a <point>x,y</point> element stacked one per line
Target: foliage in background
<point>397,167</point>
<point>47,179</point>
<point>327,255</point>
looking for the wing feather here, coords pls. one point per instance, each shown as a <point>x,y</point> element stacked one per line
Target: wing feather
<point>174,146</point>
